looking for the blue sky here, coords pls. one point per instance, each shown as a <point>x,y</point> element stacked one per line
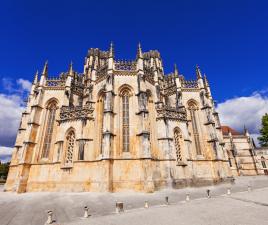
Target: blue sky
<point>228,39</point>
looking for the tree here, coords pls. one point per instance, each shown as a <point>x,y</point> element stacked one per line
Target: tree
<point>263,139</point>
<point>4,167</point>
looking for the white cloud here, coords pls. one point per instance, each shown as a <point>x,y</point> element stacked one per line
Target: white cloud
<point>11,107</point>
<point>5,154</point>
<point>10,114</point>
<point>248,111</point>
<point>25,84</point>
<point>5,151</point>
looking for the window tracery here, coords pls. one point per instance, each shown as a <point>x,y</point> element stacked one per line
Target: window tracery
<point>70,138</point>
<point>125,118</point>
<point>193,108</point>
<point>177,140</point>
<point>51,113</point>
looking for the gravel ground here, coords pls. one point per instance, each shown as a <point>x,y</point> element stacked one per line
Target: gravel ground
<point>30,208</point>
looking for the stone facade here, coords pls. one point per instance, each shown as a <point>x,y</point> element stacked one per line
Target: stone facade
<point>119,125</point>
<point>262,160</point>
<point>244,157</point>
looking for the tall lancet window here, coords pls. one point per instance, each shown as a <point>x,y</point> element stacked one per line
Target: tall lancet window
<point>177,143</point>
<point>100,120</point>
<point>193,112</point>
<point>50,120</point>
<point>125,122</point>
<point>70,142</point>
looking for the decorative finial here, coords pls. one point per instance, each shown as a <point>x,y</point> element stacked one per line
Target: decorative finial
<point>45,70</point>
<point>176,72</point>
<point>71,72</point>
<point>35,78</point>
<point>245,129</point>
<point>111,50</point>
<point>198,72</point>
<point>206,80</point>
<point>139,51</point>
<point>229,132</point>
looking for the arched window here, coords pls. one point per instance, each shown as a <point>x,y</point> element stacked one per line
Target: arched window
<point>70,141</point>
<point>192,109</point>
<point>50,120</point>
<point>263,162</point>
<point>125,118</point>
<point>177,143</point>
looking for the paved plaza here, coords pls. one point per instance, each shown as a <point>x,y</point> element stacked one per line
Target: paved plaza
<point>239,208</point>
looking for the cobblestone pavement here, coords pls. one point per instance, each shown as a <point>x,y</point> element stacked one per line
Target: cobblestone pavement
<point>240,208</point>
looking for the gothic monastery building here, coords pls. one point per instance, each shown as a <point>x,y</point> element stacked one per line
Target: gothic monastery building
<point>122,125</point>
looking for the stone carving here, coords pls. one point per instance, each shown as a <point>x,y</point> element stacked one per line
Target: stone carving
<point>125,65</point>
<point>172,113</point>
<point>68,113</point>
<point>189,84</point>
<point>55,83</point>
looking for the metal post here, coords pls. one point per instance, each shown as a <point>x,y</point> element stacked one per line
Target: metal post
<point>146,205</point>
<point>119,207</point>
<point>167,202</point>
<point>187,197</point>
<point>208,193</point>
<point>86,215</point>
<point>49,217</point>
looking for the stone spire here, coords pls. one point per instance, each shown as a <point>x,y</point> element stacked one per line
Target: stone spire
<point>246,131</point>
<point>35,78</point>
<point>176,72</point>
<point>44,75</point>
<point>206,81</point>
<point>111,59</point>
<point>139,51</point>
<point>45,70</point>
<point>198,72</point>
<point>34,83</point>
<point>71,72</point>
<point>111,50</point>
<point>139,59</point>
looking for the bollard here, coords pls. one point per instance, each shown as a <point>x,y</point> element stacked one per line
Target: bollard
<point>86,215</point>
<point>49,217</point>
<point>146,205</point>
<point>166,198</point>
<point>208,193</point>
<point>187,197</point>
<point>249,188</point>
<point>228,191</point>
<point>119,207</point>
